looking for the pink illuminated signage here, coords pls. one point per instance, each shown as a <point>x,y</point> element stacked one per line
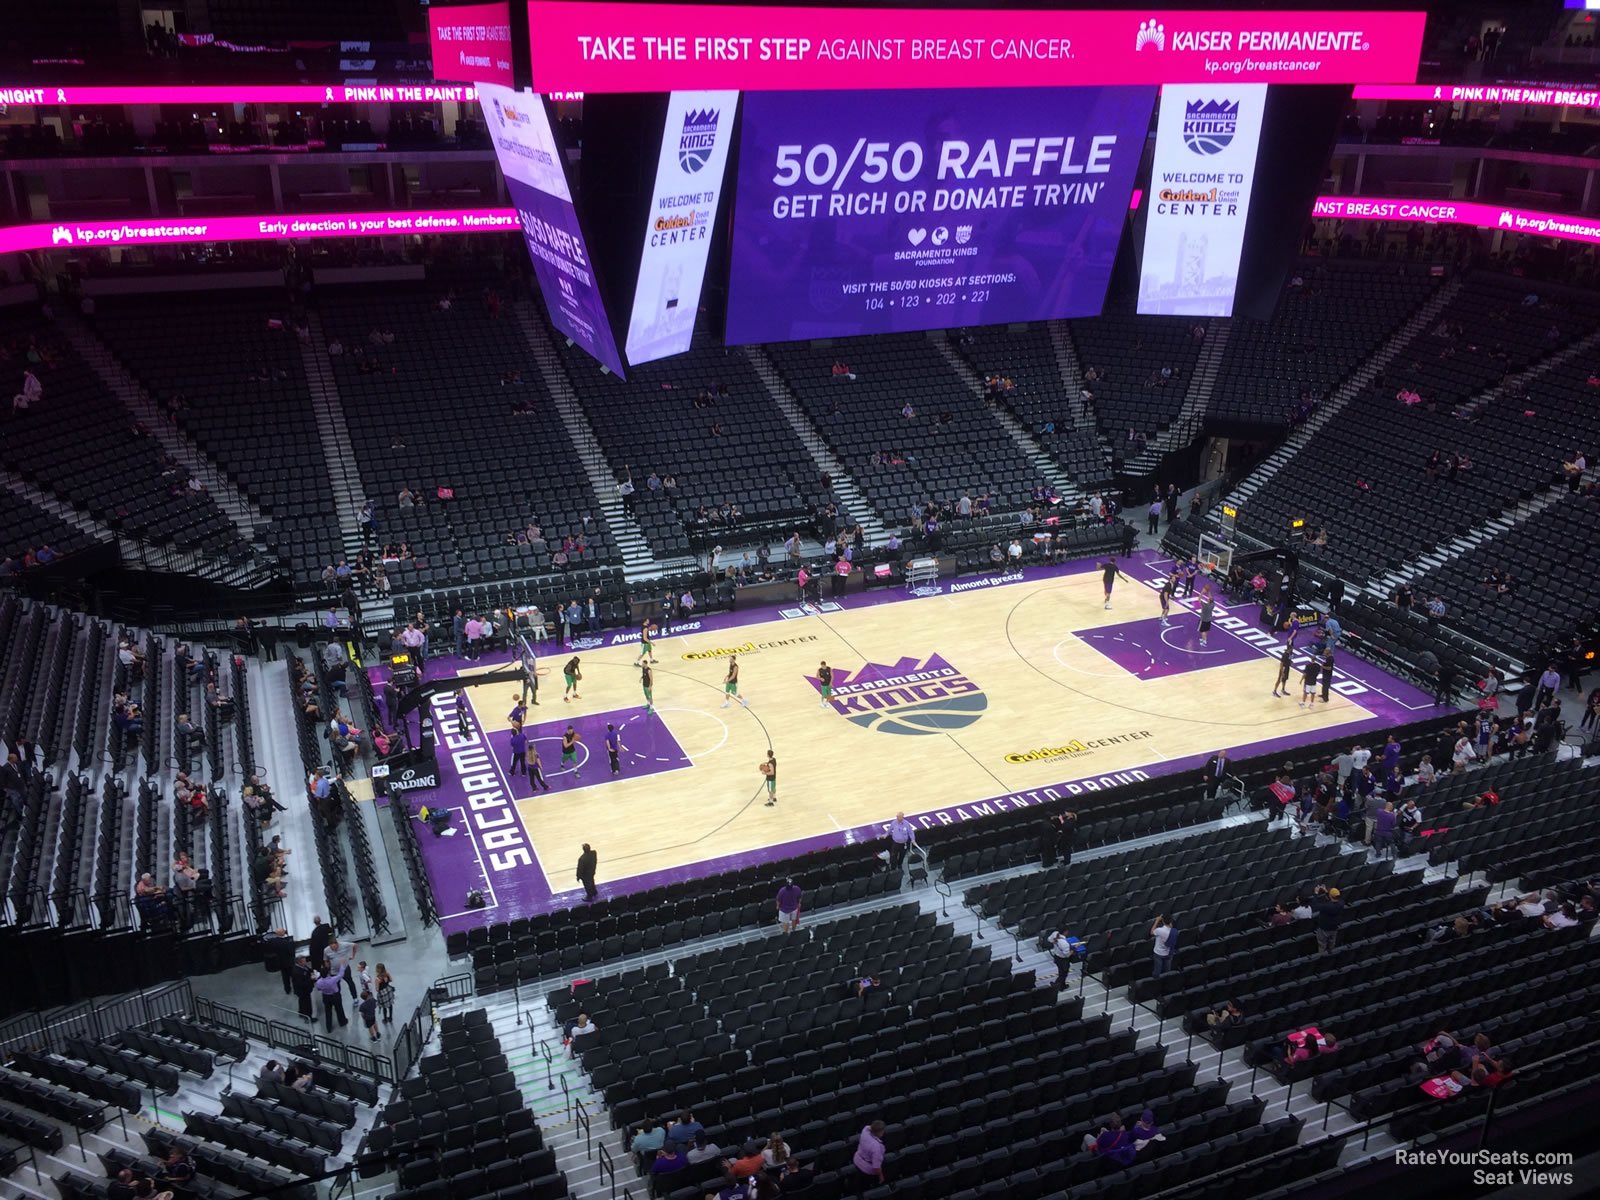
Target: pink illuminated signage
<point>605,46</point>
<point>1460,212</point>
<point>1481,93</point>
<point>472,43</point>
<point>242,93</point>
<point>266,228</point>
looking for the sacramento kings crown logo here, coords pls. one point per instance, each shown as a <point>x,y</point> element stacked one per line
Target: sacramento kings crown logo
<point>698,139</point>
<point>1208,126</point>
<point>907,697</point>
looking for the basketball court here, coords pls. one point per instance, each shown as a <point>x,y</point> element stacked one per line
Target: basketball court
<point>997,692</point>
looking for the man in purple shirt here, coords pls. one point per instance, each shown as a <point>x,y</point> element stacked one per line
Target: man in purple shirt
<point>614,748</point>
<point>1383,825</point>
<point>868,1158</point>
<point>519,750</point>
<point>332,1002</point>
<point>1391,755</point>
<point>1549,685</point>
<point>902,836</point>
<point>789,906</point>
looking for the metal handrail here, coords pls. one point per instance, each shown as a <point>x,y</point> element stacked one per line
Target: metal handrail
<point>549,1064</point>
<point>582,1117</point>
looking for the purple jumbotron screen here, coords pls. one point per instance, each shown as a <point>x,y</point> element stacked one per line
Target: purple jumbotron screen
<point>874,212</point>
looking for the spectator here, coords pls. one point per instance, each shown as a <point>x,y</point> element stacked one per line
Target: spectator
<point>1532,905</point>
<point>648,1138</point>
<point>177,1172</point>
<point>368,1010</point>
<point>1327,914</point>
<point>702,1151</point>
<point>581,1028</point>
<point>776,1152</point>
<point>869,1155</point>
<point>1112,1142</point>
<point>789,896</point>
<point>685,1130</point>
<point>667,1160</point>
<point>1161,935</point>
<point>748,1165</point>
<point>1228,1015</point>
<point>796,1178</point>
<point>1383,830</point>
<point>328,987</point>
<point>1305,1044</point>
<point>1145,1130</point>
<point>191,734</point>
<point>32,392</point>
<point>1564,917</point>
<point>1063,948</point>
<point>1426,775</point>
<point>1409,819</point>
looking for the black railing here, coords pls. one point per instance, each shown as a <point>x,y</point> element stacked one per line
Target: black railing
<point>413,1038</point>
<point>451,987</point>
<point>295,1039</point>
<point>93,1021</point>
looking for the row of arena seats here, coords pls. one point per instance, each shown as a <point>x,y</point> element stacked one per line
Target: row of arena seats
<point>1401,968</point>
<point>1363,474</point>
<point>1118,811</point>
<point>458,361</point>
<point>980,1075</point>
<point>1551,595</point>
<point>77,442</point>
<point>1040,398</point>
<point>650,423</point>
<point>1330,317</point>
<point>641,916</point>
<point>460,1129</point>
<point>258,430</point>
<point>1131,354</point>
<point>950,445</point>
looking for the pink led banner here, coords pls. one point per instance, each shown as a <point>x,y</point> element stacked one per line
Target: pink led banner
<point>266,228</point>
<point>606,46</point>
<point>1481,93</point>
<point>240,93</point>
<point>1460,212</point>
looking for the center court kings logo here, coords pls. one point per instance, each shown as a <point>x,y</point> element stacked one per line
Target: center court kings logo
<point>907,697</point>
<point>1152,35</point>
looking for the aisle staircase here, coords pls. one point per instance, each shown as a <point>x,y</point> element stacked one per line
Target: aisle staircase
<point>638,560</point>
<point>1044,466</point>
<point>334,436</point>
<point>1186,425</point>
<point>853,502</point>
<point>1513,386</point>
<point>1354,384</point>
<point>238,507</point>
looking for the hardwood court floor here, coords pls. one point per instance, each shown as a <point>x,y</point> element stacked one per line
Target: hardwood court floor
<point>1024,686</point>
